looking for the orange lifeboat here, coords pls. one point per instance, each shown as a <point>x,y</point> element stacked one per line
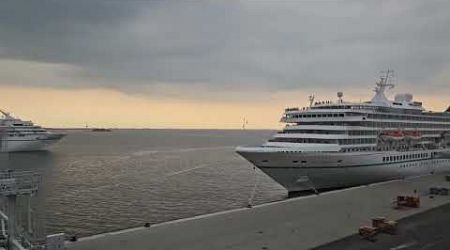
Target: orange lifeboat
<point>393,134</point>
<point>412,134</point>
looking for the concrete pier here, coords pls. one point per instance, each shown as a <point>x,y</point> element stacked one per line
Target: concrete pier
<point>298,223</point>
<point>425,231</point>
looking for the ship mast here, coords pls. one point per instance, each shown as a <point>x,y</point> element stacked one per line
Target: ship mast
<point>382,85</point>
<point>6,114</point>
<point>311,100</point>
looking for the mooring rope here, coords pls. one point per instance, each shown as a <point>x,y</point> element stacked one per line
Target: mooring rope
<point>255,186</point>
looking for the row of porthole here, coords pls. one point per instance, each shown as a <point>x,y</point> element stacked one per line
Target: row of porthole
<point>303,162</point>
<point>340,161</point>
<point>422,163</point>
<point>416,164</point>
<point>405,157</point>
<point>295,161</point>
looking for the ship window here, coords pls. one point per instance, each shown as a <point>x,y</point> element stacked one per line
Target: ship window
<point>294,161</point>
<point>303,161</point>
<point>265,161</point>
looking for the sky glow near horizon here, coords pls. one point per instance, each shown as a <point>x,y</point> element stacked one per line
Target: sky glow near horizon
<point>210,64</point>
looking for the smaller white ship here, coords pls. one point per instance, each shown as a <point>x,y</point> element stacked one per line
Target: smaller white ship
<point>17,135</point>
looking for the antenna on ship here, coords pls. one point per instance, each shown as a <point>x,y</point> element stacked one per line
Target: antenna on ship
<point>311,100</point>
<point>386,79</point>
<point>244,123</point>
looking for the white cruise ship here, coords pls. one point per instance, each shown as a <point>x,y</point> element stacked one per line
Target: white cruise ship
<point>340,144</point>
<point>17,135</point>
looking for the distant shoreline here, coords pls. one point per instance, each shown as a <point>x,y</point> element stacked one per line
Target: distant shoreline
<point>206,129</point>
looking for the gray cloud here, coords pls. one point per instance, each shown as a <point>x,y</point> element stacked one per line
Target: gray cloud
<point>130,45</point>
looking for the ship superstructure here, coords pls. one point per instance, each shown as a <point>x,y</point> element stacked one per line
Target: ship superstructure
<point>332,144</point>
<point>18,135</point>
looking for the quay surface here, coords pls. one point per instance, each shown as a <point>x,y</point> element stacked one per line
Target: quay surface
<point>297,223</point>
<point>426,231</point>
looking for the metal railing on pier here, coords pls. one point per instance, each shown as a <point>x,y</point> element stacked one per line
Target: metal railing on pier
<point>15,183</point>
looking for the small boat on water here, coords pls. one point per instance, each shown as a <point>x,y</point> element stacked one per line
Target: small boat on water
<point>101,130</point>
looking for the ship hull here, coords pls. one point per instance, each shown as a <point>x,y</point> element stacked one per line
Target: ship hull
<point>297,171</point>
<point>31,143</point>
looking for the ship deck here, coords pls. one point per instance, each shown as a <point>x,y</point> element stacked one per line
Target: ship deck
<point>297,223</point>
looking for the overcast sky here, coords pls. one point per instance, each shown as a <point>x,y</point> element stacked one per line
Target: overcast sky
<point>224,49</point>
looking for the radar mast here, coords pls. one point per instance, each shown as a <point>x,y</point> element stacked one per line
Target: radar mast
<point>384,83</point>
<point>311,100</point>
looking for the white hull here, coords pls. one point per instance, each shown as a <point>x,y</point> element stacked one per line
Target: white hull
<point>298,171</point>
<point>31,143</point>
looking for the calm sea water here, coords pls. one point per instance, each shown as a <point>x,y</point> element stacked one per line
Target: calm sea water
<point>94,182</point>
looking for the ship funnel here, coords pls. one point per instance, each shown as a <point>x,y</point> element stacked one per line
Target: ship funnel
<point>404,98</point>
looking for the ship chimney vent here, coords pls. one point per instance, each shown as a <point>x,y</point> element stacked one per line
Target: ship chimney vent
<point>404,98</point>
